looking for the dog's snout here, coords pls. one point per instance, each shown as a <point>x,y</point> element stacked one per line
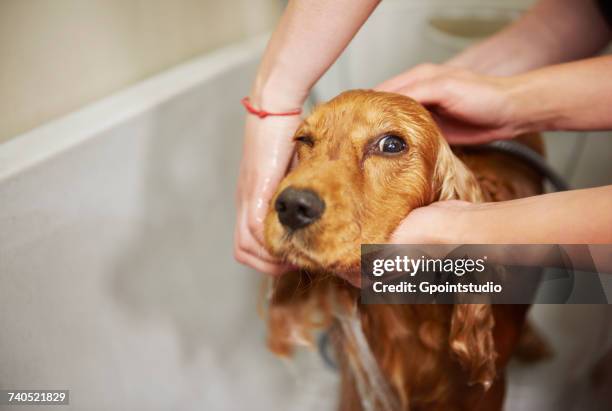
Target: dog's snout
<point>298,208</point>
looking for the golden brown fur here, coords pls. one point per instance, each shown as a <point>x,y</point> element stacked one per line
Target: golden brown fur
<point>434,357</point>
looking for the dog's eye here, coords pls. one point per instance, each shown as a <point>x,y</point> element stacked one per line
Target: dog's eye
<point>304,140</point>
<point>391,145</point>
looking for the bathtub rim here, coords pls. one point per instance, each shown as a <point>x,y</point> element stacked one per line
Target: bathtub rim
<point>48,140</point>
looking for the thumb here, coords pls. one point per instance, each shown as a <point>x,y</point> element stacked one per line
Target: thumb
<point>432,224</point>
<point>414,229</point>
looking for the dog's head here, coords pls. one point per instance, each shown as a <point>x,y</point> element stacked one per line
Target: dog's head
<point>365,160</point>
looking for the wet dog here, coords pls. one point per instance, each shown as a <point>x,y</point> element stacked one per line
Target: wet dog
<point>365,160</point>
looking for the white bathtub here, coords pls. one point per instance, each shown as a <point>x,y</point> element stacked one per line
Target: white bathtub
<point>117,280</point>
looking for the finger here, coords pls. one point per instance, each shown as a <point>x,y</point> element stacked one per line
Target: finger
<point>257,208</point>
<point>462,133</point>
<point>417,227</point>
<point>403,236</point>
<point>422,72</point>
<point>245,241</point>
<point>432,92</point>
<point>254,217</point>
<point>260,265</point>
<point>248,252</point>
<point>250,246</point>
<point>438,95</point>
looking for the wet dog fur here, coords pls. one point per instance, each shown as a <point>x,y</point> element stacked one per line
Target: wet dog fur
<point>434,357</point>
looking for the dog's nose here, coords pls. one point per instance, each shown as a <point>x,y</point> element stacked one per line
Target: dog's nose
<point>298,208</point>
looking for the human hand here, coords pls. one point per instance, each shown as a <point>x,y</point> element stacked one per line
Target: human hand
<point>469,108</point>
<point>443,222</point>
<point>267,150</point>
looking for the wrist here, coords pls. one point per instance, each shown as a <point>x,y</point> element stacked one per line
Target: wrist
<point>453,222</point>
<point>275,93</point>
<point>531,106</point>
<point>466,223</point>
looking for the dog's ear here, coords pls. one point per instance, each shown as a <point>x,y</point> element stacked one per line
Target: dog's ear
<point>452,180</point>
<point>297,307</point>
<point>471,342</point>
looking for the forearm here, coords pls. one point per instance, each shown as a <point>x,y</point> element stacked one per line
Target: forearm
<point>571,217</point>
<point>571,96</point>
<point>552,32</point>
<point>309,38</point>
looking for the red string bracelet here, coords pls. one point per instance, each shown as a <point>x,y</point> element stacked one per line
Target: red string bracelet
<point>246,102</point>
